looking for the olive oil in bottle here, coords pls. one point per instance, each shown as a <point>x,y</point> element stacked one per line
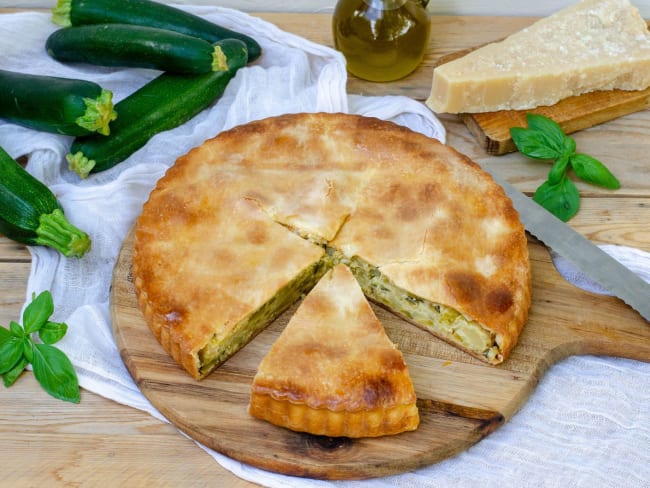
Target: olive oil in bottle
<point>382,40</point>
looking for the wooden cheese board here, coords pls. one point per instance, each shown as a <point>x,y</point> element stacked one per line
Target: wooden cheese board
<point>492,129</point>
<point>461,399</point>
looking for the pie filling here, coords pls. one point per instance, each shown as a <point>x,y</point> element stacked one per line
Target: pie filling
<point>439,319</point>
<point>220,348</point>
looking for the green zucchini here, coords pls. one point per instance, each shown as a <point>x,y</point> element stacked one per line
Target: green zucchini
<point>31,214</point>
<point>52,104</point>
<point>147,13</point>
<point>162,104</point>
<point>136,46</point>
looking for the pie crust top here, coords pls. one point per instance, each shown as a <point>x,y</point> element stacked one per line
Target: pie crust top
<point>237,218</point>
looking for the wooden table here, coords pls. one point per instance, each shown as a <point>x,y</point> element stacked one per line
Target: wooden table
<point>44,440</point>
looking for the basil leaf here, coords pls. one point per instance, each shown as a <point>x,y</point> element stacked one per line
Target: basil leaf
<point>10,353</point>
<point>28,348</point>
<point>37,312</point>
<point>52,332</point>
<point>534,144</point>
<point>561,199</point>
<point>10,377</point>
<point>593,171</point>
<point>558,170</point>
<point>55,373</point>
<point>569,145</point>
<point>554,135</point>
<point>16,329</point>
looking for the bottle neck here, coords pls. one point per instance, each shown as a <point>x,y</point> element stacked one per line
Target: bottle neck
<point>393,4</point>
<point>385,4</point>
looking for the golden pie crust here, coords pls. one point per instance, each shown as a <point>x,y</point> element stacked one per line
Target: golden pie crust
<point>265,208</point>
<point>203,263</point>
<point>333,371</point>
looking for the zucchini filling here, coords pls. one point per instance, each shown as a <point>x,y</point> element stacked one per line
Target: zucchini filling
<point>221,348</point>
<point>440,319</point>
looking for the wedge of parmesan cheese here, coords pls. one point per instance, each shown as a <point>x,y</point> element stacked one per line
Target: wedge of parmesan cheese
<point>593,45</point>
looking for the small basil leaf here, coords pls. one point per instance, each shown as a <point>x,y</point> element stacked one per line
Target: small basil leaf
<point>10,377</point>
<point>10,353</point>
<point>593,171</point>
<point>569,145</point>
<point>555,136</point>
<point>533,144</point>
<point>561,199</point>
<point>16,329</point>
<point>37,312</point>
<point>558,170</point>
<point>54,371</point>
<point>28,348</point>
<point>52,332</point>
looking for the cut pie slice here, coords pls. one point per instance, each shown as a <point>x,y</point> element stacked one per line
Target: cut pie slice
<point>206,287</point>
<point>333,371</point>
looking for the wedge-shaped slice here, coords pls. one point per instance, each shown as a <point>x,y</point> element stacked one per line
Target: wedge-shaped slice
<point>207,287</point>
<point>333,371</point>
<point>592,45</point>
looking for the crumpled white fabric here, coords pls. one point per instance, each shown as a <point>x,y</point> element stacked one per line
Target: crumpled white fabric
<point>631,257</point>
<point>585,425</point>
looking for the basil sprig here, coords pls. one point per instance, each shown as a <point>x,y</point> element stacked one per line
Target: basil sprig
<point>52,368</point>
<point>545,139</point>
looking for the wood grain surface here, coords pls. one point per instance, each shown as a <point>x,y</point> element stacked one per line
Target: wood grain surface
<point>461,399</point>
<point>492,129</point>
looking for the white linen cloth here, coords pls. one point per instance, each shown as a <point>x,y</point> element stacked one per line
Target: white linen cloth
<point>586,424</point>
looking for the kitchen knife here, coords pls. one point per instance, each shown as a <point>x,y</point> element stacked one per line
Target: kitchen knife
<point>582,253</point>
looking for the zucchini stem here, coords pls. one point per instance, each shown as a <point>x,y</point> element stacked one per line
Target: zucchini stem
<point>80,164</point>
<point>99,113</point>
<point>54,230</point>
<point>61,13</point>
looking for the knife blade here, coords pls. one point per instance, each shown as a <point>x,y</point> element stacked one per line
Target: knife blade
<point>580,251</point>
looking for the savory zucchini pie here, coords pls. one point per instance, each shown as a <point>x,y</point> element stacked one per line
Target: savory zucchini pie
<point>247,223</point>
<point>335,343</point>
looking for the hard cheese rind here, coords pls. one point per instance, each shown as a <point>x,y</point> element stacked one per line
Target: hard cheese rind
<point>593,45</point>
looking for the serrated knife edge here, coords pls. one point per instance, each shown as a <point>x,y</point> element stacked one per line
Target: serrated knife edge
<point>580,251</point>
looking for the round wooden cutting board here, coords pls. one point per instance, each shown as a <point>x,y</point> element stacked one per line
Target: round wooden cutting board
<point>461,400</point>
